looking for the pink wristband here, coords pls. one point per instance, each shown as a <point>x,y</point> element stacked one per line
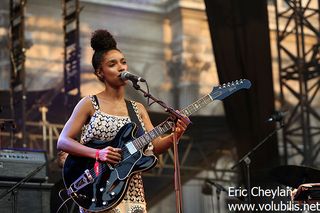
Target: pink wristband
<point>97,154</point>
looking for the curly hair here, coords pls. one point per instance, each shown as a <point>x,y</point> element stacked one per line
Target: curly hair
<point>102,41</point>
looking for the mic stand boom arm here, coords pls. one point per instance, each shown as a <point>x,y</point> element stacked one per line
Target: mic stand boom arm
<point>171,111</point>
<point>174,116</point>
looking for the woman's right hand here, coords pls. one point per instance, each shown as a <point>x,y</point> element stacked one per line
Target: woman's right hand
<point>110,155</point>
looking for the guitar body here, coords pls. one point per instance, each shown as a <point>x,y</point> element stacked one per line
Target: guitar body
<point>103,191</point>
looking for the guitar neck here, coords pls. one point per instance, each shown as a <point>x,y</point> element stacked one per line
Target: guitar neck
<point>145,139</point>
<point>192,108</point>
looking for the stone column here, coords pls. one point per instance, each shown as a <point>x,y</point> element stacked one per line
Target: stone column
<point>191,52</point>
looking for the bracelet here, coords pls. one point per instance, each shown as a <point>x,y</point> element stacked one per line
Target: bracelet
<point>96,164</point>
<point>97,154</point>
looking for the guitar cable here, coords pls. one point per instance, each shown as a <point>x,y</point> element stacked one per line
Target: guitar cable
<point>64,202</point>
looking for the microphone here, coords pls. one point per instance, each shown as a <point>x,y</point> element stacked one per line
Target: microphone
<point>277,116</point>
<point>129,76</point>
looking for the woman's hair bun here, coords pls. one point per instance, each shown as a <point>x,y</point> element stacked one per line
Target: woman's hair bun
<point>102,40</point>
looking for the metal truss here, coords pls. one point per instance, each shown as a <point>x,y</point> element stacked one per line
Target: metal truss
<point>71,31</point>
<point>17,58</point>
<point>200,160</point>
<point>17,10</point>
<point>195,159</point>
<point>298,44</point>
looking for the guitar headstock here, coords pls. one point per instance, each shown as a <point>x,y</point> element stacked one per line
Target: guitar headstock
<point>222,91</point>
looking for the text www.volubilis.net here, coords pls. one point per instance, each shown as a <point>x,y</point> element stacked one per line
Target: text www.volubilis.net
<point>274,207</point>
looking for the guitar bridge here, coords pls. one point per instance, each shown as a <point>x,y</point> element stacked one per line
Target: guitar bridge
<point>81,182</point>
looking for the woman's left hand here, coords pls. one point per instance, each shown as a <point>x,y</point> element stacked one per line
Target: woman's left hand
<point>181,126</point>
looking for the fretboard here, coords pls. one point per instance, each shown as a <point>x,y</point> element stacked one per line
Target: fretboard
<point>145,139</point>
<point>192,108</point>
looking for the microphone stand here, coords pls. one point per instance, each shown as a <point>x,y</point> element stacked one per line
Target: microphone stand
<point>174,116</point>
<point>219,189</point>
<point>246,158</point>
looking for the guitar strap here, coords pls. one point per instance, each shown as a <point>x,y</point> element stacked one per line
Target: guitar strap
<point>134,118</point>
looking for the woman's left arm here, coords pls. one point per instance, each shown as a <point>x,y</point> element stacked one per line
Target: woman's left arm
<point>162,144</point>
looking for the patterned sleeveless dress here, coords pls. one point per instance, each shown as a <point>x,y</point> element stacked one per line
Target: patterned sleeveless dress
<point>103,126</point>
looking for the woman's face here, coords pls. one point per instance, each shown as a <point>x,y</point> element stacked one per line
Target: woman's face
<point>112,65</point>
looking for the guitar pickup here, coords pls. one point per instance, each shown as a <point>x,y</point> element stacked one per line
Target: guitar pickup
<point>131,148</point>
<point>81,182</point>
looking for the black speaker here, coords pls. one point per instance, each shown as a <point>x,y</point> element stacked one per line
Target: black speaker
<point>29,197</point>
<point>17,164</point>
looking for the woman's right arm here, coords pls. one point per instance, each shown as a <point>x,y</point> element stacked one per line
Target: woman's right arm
<point>67,139</point>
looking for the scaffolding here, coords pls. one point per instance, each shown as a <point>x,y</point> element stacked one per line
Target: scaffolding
<point>17,58</point>
<point>71,30</point>
<point>298,45</point>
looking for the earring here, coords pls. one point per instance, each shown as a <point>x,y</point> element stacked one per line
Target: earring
<point>99,75</point>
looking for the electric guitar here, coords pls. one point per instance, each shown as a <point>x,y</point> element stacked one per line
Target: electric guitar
<point>103,190</point>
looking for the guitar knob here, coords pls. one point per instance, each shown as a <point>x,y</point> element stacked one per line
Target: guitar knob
<point>82,196</point>
<point>112,194</point>
<point>104,203</point>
